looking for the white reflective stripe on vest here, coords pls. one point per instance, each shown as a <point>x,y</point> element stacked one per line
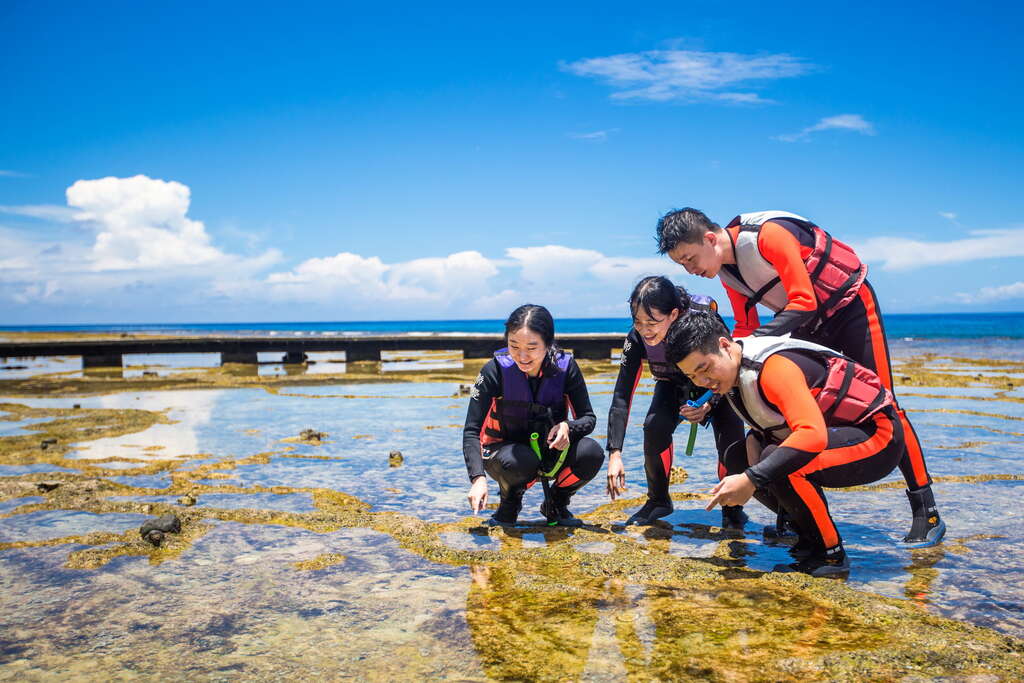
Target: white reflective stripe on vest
<point>757,350</point>
<point>754,268</point>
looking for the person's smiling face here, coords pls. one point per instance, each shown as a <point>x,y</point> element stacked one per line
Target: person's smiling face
<point>653,326</point>
<point>528,350</point>
<point>718,371</point>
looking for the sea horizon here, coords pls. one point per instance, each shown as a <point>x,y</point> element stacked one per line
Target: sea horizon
<point>1009,325</point>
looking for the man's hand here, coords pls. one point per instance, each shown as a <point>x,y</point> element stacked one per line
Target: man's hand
<point>616,475</point>
<point>736,489</point>
<point>478,494</point>
<point>558,437</point>
<point>695,414</point>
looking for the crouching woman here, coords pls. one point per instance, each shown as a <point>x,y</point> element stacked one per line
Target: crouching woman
<point>518,427</point>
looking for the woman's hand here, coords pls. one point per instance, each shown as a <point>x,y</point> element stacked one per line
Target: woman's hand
<point>478,494</point>
<point>558,437</point>
<point>736,489</point>
<point>616,475</point>
<point>695,414</point>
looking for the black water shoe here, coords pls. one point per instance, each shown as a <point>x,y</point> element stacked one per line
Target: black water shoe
<point>831,563</point>
<point>651,511</point>
<point>557,514</point>
<point>733,517</point>
<point>783,532</point>
<point>927,529</point>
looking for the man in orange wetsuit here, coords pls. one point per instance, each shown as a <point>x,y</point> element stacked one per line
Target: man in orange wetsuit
<point>818,289</point>
<point>818,419</point>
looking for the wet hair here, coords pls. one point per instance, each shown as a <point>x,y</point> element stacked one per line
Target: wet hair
<point>657,293</point>
<point>698,331</point>
<point>536,319</point>
<point>682,225</point>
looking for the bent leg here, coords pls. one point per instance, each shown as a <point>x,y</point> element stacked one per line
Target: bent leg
<point>662,419</point>
<point>856,454</point>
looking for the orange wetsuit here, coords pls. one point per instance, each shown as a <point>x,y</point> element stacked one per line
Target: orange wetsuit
<point>816,454</point>
<point>855,330</point>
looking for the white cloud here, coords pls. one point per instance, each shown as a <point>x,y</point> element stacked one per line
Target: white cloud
<point>853,122</point>
<point>990,294</point>
<point>13,174</point>
<point>688,75</point>
<point>142,224</point>
<point>948,215</point>
<point>352,279</point>
<point>60,214</point>
<point>596,136</point>
<point>899,253</point>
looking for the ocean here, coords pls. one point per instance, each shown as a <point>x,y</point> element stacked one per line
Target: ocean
<point>914,326</point>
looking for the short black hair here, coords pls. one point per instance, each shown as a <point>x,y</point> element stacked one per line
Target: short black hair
<point>682,225</point>
<point>657,293</point>
<point>697,331</point>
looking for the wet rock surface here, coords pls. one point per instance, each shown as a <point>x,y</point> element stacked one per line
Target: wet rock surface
<point>390,584</point>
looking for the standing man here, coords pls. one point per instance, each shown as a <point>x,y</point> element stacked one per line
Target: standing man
<point>817,287</point>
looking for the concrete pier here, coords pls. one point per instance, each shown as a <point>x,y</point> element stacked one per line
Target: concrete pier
<point>108,353</point>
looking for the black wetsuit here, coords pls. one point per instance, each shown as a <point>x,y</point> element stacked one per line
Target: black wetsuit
<point>671,391</point>
<point>513,464</point>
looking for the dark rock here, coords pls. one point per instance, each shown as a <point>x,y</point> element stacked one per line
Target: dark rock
<point>154,537</point>
<point>395,458</point>
<point>150,373</point>
<point>167,524</point>
<point>187,500</point>
<point>77,406</point>
<point>50,441</point>
<point>312,435</point>
<point>464,389</point>
<point>47,486</point>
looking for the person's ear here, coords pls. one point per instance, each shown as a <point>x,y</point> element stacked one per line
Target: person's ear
<point>673,316</point>
<point>724,344</point>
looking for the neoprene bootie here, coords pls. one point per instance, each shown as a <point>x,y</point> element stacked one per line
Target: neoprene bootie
<point>927,528</point>
<point>556,510</point>
<point>507,513</point>
<point>783,532</point>
<point>651,511</point>
<point>733,517</point>
<point>831,563</point>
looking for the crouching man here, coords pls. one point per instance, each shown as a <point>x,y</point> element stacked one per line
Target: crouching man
<point>817,417</point>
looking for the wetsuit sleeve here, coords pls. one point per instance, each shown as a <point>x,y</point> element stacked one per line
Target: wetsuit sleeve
<point>746,321</point>
<point>781,249</point>
<point>486,388</point>
<point>631,367</point>
<point>579,403</point>
<point>785,385</point>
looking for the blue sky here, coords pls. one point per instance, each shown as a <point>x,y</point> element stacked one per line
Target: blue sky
<point>259,161</point>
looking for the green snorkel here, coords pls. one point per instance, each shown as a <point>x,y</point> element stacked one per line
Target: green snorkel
<point>544,476</point>
<point>696,403</point>
<point>536,450</point>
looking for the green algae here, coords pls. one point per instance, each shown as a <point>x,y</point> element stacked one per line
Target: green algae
<point>536,613</point>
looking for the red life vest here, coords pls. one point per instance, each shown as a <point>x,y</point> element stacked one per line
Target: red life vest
<point>517,413</point>
<point>835,269</point>
<point>851,393</point>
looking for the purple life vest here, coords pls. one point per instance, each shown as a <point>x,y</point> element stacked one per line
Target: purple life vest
<point>518,412</point>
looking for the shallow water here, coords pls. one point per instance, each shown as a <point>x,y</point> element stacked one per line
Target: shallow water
<point>265,583</point>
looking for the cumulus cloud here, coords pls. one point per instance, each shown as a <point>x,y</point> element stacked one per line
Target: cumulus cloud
<point>141,223</point>
<point>688,75</point>
<point>351,278</point>
<point>990,294</point>
<point>851,122</point>
<point>899,253</point>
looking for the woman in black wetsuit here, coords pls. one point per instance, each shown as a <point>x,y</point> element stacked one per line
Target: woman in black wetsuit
<point>655,305</point>
<point>530,387</point>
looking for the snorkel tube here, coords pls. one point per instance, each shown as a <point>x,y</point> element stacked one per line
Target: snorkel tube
<point>696,403</point>
<point>536,451</point>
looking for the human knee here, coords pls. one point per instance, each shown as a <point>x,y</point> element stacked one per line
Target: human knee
<point>659,426</point>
